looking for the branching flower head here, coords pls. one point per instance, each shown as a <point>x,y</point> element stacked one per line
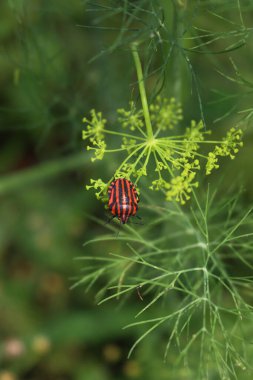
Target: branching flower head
<point>99,148</point>
<point>181,187</point>
<point>166,113</point>
<point>94,127</point>
<point>99,186</point>
<point>152,148</point>
<point>229,147</point>
<point>94,132</point>
<point>132,119</point>
<point>177,159</point>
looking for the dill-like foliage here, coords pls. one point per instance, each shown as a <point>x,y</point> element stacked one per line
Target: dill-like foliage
<point>191,268</point>
<point>198,269</point>
<point>174,35</point>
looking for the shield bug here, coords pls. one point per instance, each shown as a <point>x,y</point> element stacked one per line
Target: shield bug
<point>123,199</point>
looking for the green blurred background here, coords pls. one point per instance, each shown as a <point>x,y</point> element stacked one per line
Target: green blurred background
<point>49,81</point>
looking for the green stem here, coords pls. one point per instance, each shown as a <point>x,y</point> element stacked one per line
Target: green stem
<point>145,163</point>
<point>144,101</point>
<point>173,26</point>
<point>127,158</point>
<point>194,141</point>
<point>157,165</point>
<point>160,153</point>
<point>123,135</point>
<point>137,161</point>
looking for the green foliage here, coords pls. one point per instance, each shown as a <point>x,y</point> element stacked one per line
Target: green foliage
<point>58,60</point>
<point>194,279</point>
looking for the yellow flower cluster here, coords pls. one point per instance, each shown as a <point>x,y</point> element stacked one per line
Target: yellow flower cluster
<point>229,147</point>
<point>174,159</point>
<point>180,188</point>
<point>132,119</point>
<point>166,113</point>
<point>94,127</point>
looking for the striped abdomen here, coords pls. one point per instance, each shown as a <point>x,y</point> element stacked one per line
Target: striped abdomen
<point>123,199</point>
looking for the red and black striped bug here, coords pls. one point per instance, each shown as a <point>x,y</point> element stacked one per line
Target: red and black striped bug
<point>123,199</point>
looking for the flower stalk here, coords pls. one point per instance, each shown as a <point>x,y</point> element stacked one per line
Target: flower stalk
<point>142,89</point>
